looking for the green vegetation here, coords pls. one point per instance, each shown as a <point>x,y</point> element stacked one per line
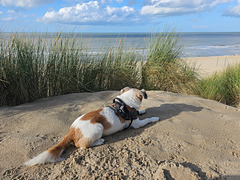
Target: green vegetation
<point>223,87</point>
<point>32,68</point>
<point>164,69</point>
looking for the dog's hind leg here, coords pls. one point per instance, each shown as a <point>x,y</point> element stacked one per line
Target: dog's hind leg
<point>90,138</point>
<point>83,143</point>
<point>140,123</point>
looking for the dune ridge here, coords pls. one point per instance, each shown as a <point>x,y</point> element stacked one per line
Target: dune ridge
<point>195,139</point>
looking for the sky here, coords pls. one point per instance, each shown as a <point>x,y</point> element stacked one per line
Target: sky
<point>119,15</point>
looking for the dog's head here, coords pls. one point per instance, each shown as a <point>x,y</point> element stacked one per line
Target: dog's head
<point>133,97</point>
<point>140,94</point>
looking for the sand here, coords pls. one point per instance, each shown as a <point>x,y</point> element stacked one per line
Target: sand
<point>209,65</point>
<point>194,139</point>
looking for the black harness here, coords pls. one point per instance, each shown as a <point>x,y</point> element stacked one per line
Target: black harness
<point>124,111</point>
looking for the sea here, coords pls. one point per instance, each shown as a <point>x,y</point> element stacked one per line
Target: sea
<point>196,44</point>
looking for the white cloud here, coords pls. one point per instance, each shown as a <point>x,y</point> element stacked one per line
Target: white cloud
<point>8,18</point>
<point>178,7</point>
<point>199,26</point>
<point>172,7</point>
<point>1,12</point>
<point>24,3</point>
<point>10,11</point>
<point>216,2</point>
<point>91,13</point>
<point>234,11</point>
<point>12,15</point>
<point>111,1</point>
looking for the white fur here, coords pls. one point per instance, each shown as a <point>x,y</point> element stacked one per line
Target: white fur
<point>42,158</point>
<point>89,130</point>
<point>111,117</point>
<point>130,99</point>
<point>140,123</point>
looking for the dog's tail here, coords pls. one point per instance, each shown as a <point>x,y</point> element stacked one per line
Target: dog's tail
<point>53,154</point>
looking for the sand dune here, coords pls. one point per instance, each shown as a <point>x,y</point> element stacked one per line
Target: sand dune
<point>195,139</point>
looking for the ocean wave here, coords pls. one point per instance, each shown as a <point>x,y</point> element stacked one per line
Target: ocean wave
<point>212,47</point>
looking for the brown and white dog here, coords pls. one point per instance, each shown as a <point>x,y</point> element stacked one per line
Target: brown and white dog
<point>87,130</point>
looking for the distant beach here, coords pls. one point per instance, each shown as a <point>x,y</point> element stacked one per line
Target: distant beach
<point>208,65</point>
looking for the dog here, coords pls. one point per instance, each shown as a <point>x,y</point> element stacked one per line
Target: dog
<point>88,129</point>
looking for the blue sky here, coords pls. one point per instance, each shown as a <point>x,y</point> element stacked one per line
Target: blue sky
<point>119,15</point>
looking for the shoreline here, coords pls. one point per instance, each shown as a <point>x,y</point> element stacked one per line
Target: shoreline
<point>207,66</point>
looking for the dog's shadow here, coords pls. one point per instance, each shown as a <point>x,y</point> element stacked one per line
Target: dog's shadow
<point>164,112</point>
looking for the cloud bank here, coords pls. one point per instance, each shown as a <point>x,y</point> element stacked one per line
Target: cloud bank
<point>92,13</point>
<point>178,7</point>
<point>102,12</point>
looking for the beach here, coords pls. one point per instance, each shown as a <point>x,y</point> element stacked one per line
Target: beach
<point>207,66</point>
<point>194,139</point>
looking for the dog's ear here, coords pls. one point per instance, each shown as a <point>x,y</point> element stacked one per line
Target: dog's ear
<point>125,89</point>
<point>140,94</point>
<point>144,94</point>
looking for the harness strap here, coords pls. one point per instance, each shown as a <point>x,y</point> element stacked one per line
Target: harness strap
<point>129,124</point>
<point>114,100</point>
<point>124,111</point>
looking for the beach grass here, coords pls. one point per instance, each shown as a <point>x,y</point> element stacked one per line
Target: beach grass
<point>164,69</point>
<point>34,67</point>
<point>223,86</point>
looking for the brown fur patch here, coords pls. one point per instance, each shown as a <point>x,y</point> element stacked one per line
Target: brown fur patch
<point>77,135</point>
<point>138,94</point>
<point>95,117</point>
<point>80,141</point>
<point>125,89</point>
<point>57,150</point>
<point>120,118</point>
<point>144,94</point>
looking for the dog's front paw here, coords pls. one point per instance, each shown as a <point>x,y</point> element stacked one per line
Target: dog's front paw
<point>142,112</point>
<point>98,142</point>
<point>155,119</point>
<point>60,159</point>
